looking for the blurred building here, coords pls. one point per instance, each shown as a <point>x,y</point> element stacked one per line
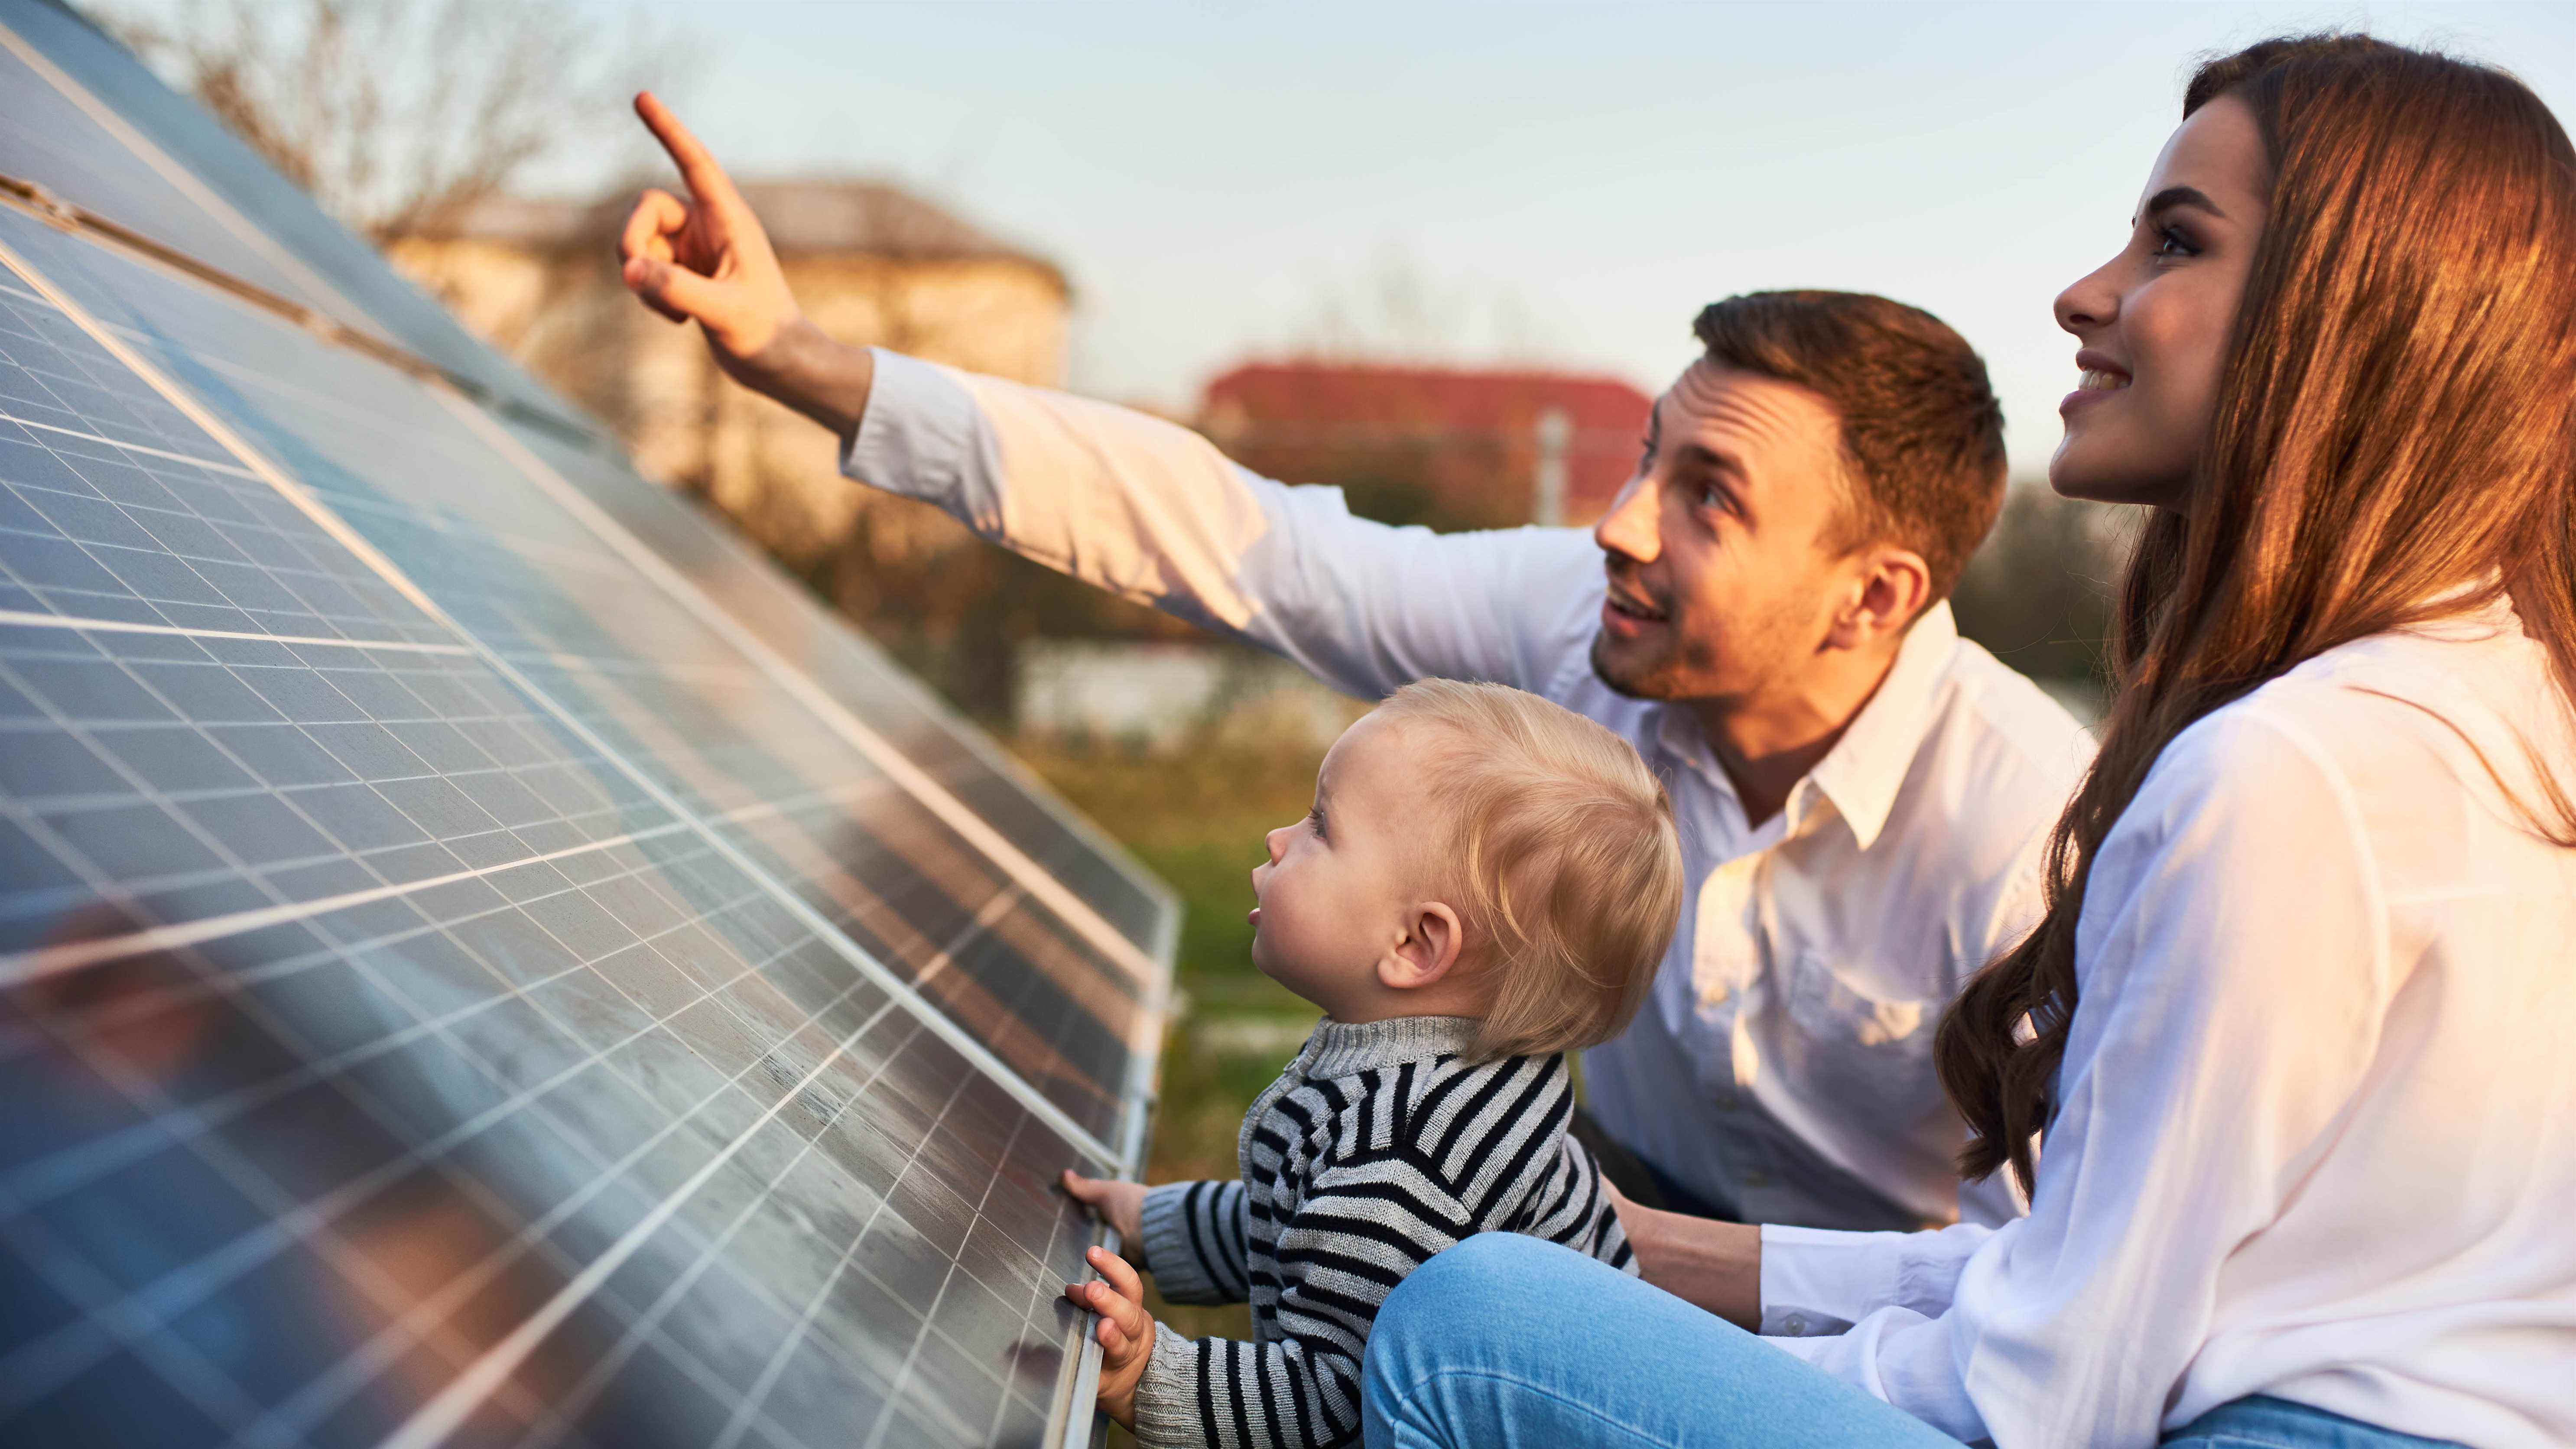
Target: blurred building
<point>1450,447</point>
<point>870,264</point>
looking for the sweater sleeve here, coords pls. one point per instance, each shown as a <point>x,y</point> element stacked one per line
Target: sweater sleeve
<point>1195,1243</point>
<point>1359,1230</point>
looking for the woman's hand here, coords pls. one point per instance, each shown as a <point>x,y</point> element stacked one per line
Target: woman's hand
<point>1125,1330</point>
<point>707,260</point>
<point>1716,1265</point>
<point>1120,1204</point>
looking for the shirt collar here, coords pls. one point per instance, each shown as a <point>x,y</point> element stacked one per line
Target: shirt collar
<point>1867,766</point>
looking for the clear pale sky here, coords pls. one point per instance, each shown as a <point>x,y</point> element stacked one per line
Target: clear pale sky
<point>1562,183</point>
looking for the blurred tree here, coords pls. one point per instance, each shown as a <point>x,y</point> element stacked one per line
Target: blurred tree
<point>2039,592</point>
<point>397,114</point>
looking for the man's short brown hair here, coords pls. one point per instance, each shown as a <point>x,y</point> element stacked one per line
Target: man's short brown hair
<point>1922,433</point>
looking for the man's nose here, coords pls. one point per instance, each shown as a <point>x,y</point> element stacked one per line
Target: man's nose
<point>1629,528</point>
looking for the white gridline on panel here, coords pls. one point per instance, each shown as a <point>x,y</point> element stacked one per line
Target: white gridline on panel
<point>1146,1008</point>
<point>639,558</point>
<point>972,1051</point>
<point>72,448</point>
<point>353,1192</point>
<point>556,553</point>
<point>20,966</point>
<point>409,443</point>
<point>971,747</point>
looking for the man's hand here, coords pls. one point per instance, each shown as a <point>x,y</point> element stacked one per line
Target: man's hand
<point>707,260</point>
<point>1715,1265</point>
<point>1125,1330</point>
<point>1120,1204</point>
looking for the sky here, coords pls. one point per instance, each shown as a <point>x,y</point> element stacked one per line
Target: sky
<point>1509,182</point>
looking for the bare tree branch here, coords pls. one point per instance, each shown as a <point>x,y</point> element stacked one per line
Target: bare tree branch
<point>397,115</point>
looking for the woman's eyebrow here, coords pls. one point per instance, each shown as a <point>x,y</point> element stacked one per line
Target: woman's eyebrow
<point>2192,196</point>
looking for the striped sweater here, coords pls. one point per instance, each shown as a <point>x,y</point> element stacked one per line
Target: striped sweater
<point>1375,1149</point>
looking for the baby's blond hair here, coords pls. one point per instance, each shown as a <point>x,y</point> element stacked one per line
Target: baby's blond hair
<point>1560,849</point>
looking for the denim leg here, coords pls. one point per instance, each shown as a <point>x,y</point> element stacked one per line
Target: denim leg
<point>1507,1342</point>
<point>2262,1422</point>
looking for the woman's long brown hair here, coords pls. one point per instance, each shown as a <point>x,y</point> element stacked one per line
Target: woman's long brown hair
<point>2394,441</point>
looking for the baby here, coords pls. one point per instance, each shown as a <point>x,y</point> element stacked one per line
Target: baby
<point>1484,884</point>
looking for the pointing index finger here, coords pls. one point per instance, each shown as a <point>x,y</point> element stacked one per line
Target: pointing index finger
<point>706,180</point>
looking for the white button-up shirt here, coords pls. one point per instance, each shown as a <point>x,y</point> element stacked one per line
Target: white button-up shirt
<point>1783,1063</point>
<point>2316,1135</point>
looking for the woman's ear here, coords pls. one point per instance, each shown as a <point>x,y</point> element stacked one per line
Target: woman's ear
<point>1424,949</point>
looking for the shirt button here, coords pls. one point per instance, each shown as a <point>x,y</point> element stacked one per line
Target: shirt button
<point>1713,994</point>
<point>1796,1323</point>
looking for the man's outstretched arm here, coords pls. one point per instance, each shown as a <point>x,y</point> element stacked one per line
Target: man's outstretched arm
<point>1122,501</point>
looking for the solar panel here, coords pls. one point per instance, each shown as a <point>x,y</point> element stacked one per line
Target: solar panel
<point>482,961</point>
<point>219,185</point>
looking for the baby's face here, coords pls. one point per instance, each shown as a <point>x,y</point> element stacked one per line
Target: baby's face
<point>1332,899</point>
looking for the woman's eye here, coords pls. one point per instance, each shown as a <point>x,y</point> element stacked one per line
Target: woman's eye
<point>2171,243</point>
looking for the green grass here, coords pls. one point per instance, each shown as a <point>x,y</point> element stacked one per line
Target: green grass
<point>1197,818</point>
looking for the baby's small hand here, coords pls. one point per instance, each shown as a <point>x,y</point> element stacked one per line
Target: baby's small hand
<point>1120,1204</point>
<point>1125,1331</point>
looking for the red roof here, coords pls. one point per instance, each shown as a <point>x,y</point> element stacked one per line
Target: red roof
<point>1473,433</point>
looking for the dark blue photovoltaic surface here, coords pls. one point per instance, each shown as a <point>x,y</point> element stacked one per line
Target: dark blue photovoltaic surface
<point>482,958</point>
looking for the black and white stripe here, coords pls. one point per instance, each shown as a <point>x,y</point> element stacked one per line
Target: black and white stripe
<point>1375,1149</point>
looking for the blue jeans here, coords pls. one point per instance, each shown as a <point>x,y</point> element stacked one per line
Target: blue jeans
<point>1507,1342</point>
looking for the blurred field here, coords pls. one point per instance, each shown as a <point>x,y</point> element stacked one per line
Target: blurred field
<point>1196,817</point>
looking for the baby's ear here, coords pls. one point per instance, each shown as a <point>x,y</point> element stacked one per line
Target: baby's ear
<point>1425,947</point>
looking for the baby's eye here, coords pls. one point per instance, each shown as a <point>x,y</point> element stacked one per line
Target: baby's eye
<point>1315,818</point>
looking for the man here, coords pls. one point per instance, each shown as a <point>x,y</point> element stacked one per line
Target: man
<point>1863,796</point>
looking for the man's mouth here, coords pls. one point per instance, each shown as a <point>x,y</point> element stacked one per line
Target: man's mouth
<point>1628,606</point>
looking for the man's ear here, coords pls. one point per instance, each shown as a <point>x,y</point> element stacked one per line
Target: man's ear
<point>1424,949</point>
<point>1893,587</point>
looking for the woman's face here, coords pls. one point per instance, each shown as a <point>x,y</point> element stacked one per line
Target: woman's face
<point>2153,321</point>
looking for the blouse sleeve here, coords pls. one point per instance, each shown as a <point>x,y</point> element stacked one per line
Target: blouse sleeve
<point>2233,967</point>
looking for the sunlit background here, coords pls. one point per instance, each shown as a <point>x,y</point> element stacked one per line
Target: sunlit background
<point>1437,254</point>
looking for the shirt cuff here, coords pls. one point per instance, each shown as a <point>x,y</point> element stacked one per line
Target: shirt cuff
<point>1180,1274</point>
<point>1167,1397</point>
<point>1819,1281</point>
<point>922,435</point>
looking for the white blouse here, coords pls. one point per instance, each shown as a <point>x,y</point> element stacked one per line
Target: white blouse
<point>2317,1137</point>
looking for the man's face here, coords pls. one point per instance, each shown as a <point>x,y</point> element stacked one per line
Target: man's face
<point>1723,582</point>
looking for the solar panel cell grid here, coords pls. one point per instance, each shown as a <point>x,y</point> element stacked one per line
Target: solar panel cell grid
<point>409,1069</point>
<point>48,138</point>
<point>535,583</point>
<point>237,214</point>
<point>789,621</point>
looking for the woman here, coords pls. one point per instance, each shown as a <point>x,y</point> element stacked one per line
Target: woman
<point>2300,1025</point>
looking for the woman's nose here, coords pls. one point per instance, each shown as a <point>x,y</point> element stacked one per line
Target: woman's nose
<point>2090,303</point>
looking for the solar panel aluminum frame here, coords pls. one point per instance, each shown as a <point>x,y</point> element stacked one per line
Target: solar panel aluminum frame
<point>1075,1425</point>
